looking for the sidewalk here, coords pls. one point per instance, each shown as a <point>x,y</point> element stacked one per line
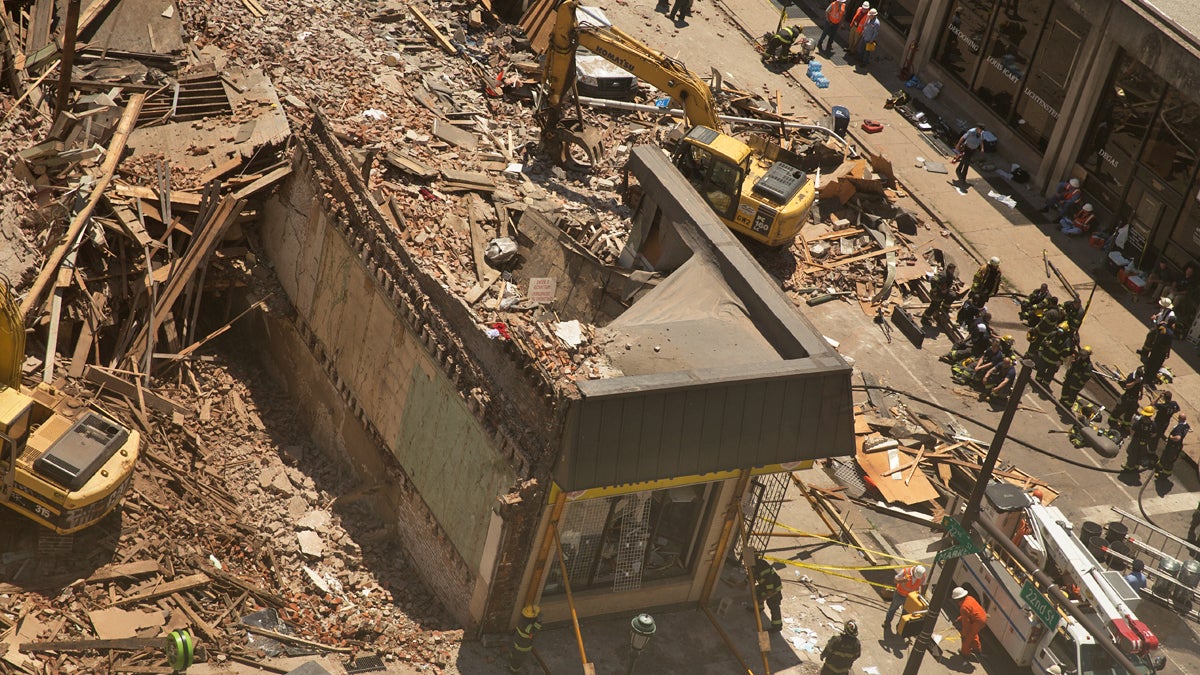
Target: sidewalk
<point>1117,321</point>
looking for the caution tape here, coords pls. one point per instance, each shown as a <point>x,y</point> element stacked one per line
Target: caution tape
<point>842,543</point>
<point>828,570</point>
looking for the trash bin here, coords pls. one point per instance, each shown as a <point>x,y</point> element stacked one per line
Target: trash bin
<point>1169,567</point>
<point>841,120</point>
<point>1097,546</point>
<point>1189,577</point>
<point>1116,532</point>
<point>1088,530</point>
<point>1121,547</point>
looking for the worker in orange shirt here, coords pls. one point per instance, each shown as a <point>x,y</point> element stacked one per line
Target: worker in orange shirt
<point>856,27</point>
<point>908,580</point>
<point>971,620</point>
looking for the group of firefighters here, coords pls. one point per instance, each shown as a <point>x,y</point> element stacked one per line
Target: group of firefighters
<point>988,361</point>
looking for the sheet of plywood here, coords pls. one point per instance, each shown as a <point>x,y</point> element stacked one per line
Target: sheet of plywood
<point>893,489</point>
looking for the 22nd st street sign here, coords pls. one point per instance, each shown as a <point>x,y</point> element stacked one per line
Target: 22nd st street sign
<point>964,546</point>
<point>1040,605</point>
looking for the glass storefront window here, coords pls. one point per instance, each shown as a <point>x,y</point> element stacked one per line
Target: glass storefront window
<point>962,41</point>
<point>1008,54</point>
<point>1124,116</point>
<point>1045,89</point>
<point>898,13</point>
<point>1170,149</point>
<point>618,542</point>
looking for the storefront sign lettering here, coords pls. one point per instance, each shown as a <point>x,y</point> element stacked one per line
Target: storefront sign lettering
<point>999,65</point>
<point>962,37</point>
<point>1041,103</point>
<point>1112,161</point>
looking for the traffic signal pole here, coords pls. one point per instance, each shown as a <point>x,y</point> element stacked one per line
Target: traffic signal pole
<point>945,582</point>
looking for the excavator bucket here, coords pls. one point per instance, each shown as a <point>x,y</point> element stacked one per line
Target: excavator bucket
<point>574,144</point>
<point>12,337</point>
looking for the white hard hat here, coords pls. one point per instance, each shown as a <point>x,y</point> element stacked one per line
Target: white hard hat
<point>919,570</point>
<point>1074,182</point>
<point>1088,207</point>
<point>1054,670</point>
<point>958,593</point>
<point>872,12</point>
<point>1166,303</point>
<point>866,5</point>
<point>993,261</point>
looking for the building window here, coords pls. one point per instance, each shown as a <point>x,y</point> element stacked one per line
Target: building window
<point>1119,128</point>
<point>1009,53</point>
<point>617,542</point>
<point>962,40</point>
<point>1170,148</point>
<point>898,14</point>
<point>1045,89</point>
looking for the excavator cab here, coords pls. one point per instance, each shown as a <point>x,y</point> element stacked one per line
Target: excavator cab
<point>715,176</point>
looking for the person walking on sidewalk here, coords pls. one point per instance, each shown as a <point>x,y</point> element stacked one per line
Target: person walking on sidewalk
<point>841,651</point>
<point>1173,447</point>
<point>856,24</point>
<point>970,143</point>
<point>834,13</point>
<point>866,42</point>
<point>971,620</point>
<point>908,580</point>
<point>680,10</point>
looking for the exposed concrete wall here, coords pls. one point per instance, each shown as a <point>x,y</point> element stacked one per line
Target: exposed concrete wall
<point>399,372</point>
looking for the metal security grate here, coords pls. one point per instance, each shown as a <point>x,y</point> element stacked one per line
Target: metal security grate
<point>761,504</point>
<point>582,530</point>
<point>634,512</point>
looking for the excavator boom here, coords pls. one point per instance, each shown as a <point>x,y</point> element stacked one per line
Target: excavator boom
<point>12,337</point>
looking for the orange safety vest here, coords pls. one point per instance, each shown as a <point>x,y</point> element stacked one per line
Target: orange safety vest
<point>836,12</point>
<point>1083,220</point>
<point>907,583</point>
<point>860,18</point>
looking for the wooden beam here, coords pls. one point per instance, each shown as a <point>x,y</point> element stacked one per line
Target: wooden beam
<point>433,30</point>
<point>181,584</point>
<point>118,385</point>
<point>853,259</point>
<point>33,300</point>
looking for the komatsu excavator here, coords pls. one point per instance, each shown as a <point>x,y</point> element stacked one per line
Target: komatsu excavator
<point>62,465</point>
<point>759,192</point>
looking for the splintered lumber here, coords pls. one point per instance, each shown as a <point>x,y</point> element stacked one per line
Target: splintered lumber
<point>282,637</point>
<point>181,584</point>
<point>204,242</point>
<point>269,597</point>
<point>87,645</point>
<point>433,30</point>
<point>116,147</point>
<point>122,571</point>
<point>110,381</point>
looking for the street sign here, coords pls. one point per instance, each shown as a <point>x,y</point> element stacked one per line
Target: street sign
<point>956,551</point>
<point>1040,605</point>
<point>956,530</point>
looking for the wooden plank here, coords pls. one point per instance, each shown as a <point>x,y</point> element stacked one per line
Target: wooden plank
<point>249,190</point>
<point>118,385</point>
<point>203,627</point>
<point>33,299</point>
<point>259,592</point>
<point>182,584</point>
<point>87,645</point>
<point>853,259</point>
<point>454,135</point>
<point>124,571</point>
<point>221,169</point>
<point>39,27</point>
<point>178,197</point>
<point>433,31</point>
<point>90,14</point>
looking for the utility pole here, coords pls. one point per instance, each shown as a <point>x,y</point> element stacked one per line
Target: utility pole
<point>70,31</point>
<point>945,582</point>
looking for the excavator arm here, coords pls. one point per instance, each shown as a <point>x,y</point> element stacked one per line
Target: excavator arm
<point>663,72</point>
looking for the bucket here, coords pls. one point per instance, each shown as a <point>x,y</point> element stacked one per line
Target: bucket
<point>841,120</point>
<point>1089,530</point>
<point>1189,577</point>
<point>1116,532</point>
<point>1096,546</point>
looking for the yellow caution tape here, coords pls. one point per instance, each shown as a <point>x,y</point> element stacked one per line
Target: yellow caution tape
<point>828,570</point>
<point>842,543</point>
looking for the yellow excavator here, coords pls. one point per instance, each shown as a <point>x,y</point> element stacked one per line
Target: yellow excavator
<point>754,190</point>
<point>62,465</point>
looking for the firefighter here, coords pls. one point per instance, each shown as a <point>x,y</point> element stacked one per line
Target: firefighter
<point>1131,395</point>
<point>1164,410</point>
<point>779,45</point>
<point>986,364</point>
<point>967,312</point>
<point>941,293</point>
<point>1073,314</point>
<point>1000,380</point>
<point>971,620</point>
<point>908,580</point>
<point>1155,356</point>
<point>1034,315</point>
<point>1051,317</point>
<point>979,336</point>
<point>1173,447</point>
<point>768,588</point>
<point>1052,352</point>
<point>1077,377</point>
<point>841,651</point>
<point>528,625</point>
<point>986,281</point>
<point>1032,301</point>
<point>1137,452</point>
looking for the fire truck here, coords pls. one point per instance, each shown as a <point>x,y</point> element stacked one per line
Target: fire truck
<point>1035,632</point>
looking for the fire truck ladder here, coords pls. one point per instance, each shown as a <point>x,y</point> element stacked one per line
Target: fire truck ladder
<point>1168,554</point>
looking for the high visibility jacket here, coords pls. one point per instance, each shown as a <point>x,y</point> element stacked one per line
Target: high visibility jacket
<point>971,613</point>
<point>907,582</point>
<point>841,652</point>
<point>860,17</point>
<point>1084,220</point>
<point>766,580</point>
<point>835,12</point>
<point>1079,373</point>
<point>788,34</point>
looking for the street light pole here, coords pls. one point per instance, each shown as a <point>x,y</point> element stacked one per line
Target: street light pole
<point>641,629</point>
<point>945,582</point>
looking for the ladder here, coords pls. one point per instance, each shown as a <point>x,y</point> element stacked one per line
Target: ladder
<point>1156,543</point>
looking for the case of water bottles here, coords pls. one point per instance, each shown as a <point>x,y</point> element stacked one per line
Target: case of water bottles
<point>815,74</point>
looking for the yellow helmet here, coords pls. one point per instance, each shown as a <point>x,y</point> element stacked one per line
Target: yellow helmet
<point>1148,411</point>
<point>1086,349</point>
<point>1064,325</point>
